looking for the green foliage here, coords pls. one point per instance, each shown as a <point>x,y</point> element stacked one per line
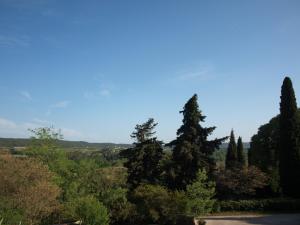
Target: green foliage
<point>9,214</point>
<point>263,152</point>
<point>289,141</point>
<point>232,154</point>
<point>27,192</point>
<point>144,131</point>
<point>240,183</point>
<point>143,160</point>
<point>84,181</point>
<point>44,147</point>
<point>90,211</point>
<point>120,209</point>
<point>199,195</point>
<point>156,204</point>
<point>192,151</point>
<point>276,204</point>
<point>275,149</point>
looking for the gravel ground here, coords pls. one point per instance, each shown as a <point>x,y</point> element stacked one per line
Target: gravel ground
<point>276,219</point>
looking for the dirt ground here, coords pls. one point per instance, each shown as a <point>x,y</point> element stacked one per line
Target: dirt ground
<point>276,219</point>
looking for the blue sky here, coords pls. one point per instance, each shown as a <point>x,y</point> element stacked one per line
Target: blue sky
<point>97,68</point>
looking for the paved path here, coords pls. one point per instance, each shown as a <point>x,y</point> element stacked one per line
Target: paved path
<point>276,219</point>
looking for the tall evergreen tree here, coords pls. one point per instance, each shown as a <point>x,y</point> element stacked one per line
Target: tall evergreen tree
<point>231,156</point>
<point>143,160</point>
<point>289,141</point>
<point>240,153</point>
<point>192,151</point>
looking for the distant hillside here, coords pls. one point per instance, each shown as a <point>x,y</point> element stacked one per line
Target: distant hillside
<point>225,145</point>
<point>23,142</point>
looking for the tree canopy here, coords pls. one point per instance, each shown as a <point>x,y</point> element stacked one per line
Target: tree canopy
<point>191,150</point>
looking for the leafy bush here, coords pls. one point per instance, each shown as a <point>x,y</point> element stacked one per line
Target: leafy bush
<point>120,209</point>
<point>238,183</point>
<point>27,191</point>
<point>156,204</point>
<point>89,210</point>
<point>259,205</point>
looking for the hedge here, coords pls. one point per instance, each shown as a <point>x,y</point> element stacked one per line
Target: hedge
<point>278,204</point>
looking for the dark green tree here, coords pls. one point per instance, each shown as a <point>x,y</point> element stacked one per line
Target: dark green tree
<point>289,141</point>
<point>240,153</point>
<point>231,161</point>
<point>191,150</point>
<point>263,152</point>
<point>143,160</point>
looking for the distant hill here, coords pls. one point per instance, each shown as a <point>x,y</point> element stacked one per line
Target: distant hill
<point>225,145</point>
<point>23,142</point>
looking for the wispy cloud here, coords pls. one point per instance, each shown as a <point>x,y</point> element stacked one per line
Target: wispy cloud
<point>61,104</point>
<point>10,41</point>
<point>26,95</point>
<point>202,72</point>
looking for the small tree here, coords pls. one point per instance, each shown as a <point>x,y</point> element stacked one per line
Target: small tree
<point>200,194</point>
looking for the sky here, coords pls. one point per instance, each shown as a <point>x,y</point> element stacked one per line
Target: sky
<point>95,69</point>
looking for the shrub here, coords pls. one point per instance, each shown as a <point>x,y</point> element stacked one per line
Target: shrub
<point>237,183</point>
<point>277,204</point>
<point>89,210</point>
<point>27,191</point>
<point>120,209</point>
<point>156,204</point>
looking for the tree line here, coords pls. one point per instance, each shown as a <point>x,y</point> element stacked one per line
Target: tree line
<point>153,182</point>
<point>274,155</point>
<point>275,149</point>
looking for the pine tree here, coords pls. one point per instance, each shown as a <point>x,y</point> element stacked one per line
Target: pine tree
<point>143,160</point>
<point>192,151</point>
<point>231,156</point>
<point>289,141</point>
<point>240,153</point>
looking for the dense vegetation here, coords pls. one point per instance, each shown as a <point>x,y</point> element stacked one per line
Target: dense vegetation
<point>148,182</point>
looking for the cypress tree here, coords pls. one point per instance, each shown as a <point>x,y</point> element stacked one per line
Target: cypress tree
<point>143,160</point>
<point>240,153</point>
<point>289,141</point>
<point>192,151</point>
<point>231,156</point>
